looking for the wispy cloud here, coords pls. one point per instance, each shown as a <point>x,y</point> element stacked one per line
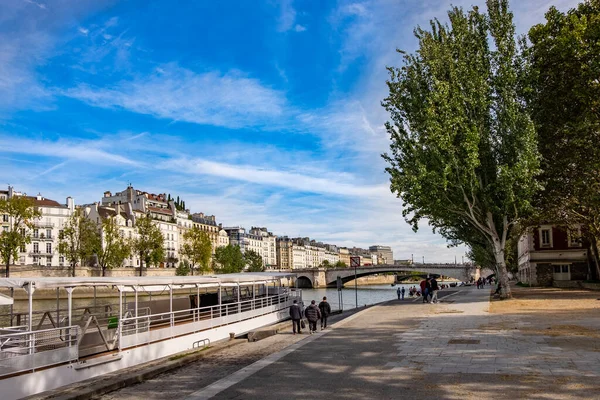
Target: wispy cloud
<point>40,5</point>
<point>277,178</point>
<point>299,28</point>
<point>287,16</point>
<point>86,151</point>
<point>223,99</point>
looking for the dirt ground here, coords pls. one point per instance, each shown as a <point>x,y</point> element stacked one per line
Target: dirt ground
<point>564,315</point>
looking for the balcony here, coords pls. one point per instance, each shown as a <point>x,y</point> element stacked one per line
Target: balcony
<point>44,237</point>
<point>43,224</point>
<point>41,253</point>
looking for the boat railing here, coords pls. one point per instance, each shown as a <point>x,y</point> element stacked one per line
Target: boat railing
<point>57,318</point>
<point>30,350</point>
<point>155,327</point>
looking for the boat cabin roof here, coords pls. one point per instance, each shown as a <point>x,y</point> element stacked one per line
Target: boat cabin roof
<point>248,278</point>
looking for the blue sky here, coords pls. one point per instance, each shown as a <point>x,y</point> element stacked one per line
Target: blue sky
<point>261,113</point>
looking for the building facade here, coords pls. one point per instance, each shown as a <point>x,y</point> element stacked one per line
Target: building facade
<point>551,253</point>
<point>384,254</point>
<point>43,249</point>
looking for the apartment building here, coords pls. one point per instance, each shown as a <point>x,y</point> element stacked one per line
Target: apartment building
<point>269,246</point>
<point>43,249</point>
<point>384,254</point>
<point>553,253</point>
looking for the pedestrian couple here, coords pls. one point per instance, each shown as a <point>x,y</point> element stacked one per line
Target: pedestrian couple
<point>313,313</point>
<point>400,292</point>
<point>430,288</point>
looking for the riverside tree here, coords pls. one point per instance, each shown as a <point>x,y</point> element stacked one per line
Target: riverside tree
<point>253,261</point>
<point>229,259</point>
<point>20,213</point>
<point>197,248</point>
<point>463,151</point>
<point>148,243</point>
<point>79,239</point>
<point>114,248</point>
<point>564,98</point>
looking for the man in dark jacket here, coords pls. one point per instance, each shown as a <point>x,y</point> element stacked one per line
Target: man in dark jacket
<point>312,314</point>
<point>296,314</point>
<point>325,309</point>
<point>434,290</point>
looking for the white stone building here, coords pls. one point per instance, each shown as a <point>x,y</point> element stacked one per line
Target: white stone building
<point>269,246</point>
<point>43,249</point>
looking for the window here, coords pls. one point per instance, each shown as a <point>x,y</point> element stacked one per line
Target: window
<point>49,248</point>
<point>35,260</point>
<point>48,261</point>
<point>36,247</point>
<point>61,259</point>
<point>49,233</point>
<point>574,237</point>
<point>23,248</point>
<point>22,260</point>
<point>545,237</point>
<point>5,218</point>
<point>36,233</point>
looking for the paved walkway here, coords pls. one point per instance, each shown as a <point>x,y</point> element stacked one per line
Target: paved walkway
<point>423,351</point>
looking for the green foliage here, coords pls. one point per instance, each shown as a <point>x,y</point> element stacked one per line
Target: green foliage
<point>148,243</point>
<point>326,264</point>
<point>564,99</point>
<point>114,248</point>
<point>79,240</point>
<point>21,213</point>
<point>463,153</point>
<point>229,259</point>
<point>253,261</point>
<point>183,269</point>
<point>197,248</point>
<point>340,264</point>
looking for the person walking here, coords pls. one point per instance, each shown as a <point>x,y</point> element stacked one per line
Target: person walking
<point>398,292</point>
<point>423,285</point>
<point>296,315</point>
<point>434,290</point>
<point>402,292</point>
<point>325,310</point>
<point>312,314</point>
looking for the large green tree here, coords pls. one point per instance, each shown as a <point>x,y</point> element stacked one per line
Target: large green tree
<point>20,213</point>
<point>564,99</point>
<point>114,247</point>
<point>229,259</point>
<point>149,243</point>
<point>463,149</point>
<point>197,248</point>
<point>78,240</point>
<point>254,261</point>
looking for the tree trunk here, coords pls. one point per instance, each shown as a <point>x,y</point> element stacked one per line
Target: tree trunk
<point>8,269</point>
<point>103,271</point>
<point>501,270</point>
<point>595,256</point>
<point>141,263</point>
<point>73,270</point>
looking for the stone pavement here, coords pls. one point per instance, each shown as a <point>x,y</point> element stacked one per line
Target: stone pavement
<point>424,351</point>
<point>464,345</point>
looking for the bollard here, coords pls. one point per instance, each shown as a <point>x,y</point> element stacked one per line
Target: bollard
<point>231,335</point>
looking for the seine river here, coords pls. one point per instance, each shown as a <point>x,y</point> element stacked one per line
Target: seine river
<point>368,294</point>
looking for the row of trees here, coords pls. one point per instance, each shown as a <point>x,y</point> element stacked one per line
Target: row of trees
<point>491,134</point>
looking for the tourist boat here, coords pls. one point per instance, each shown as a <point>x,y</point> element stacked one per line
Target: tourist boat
<point>131,321</point>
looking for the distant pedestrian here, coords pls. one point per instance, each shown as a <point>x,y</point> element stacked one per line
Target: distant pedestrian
<point>423,285</point>
<point>296,315</point>
<point>402,292</point>
<point>399,293</point>
<point>434,290</point>
<point>325,310</point>
<point>312,314</point>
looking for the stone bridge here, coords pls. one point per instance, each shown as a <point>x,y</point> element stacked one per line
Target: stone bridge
<point>321,277</point>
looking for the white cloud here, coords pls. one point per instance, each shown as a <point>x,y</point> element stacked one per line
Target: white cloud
<point>88,152</point>
<point>333,184</point>
<point>83,31</point>
<point>223,99</point>
<point>299,28</point>
<point>287,16</point>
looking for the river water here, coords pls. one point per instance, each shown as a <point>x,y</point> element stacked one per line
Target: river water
<point>367,295</point>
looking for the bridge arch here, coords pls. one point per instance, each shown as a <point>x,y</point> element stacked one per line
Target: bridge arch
<point>304,282</point>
